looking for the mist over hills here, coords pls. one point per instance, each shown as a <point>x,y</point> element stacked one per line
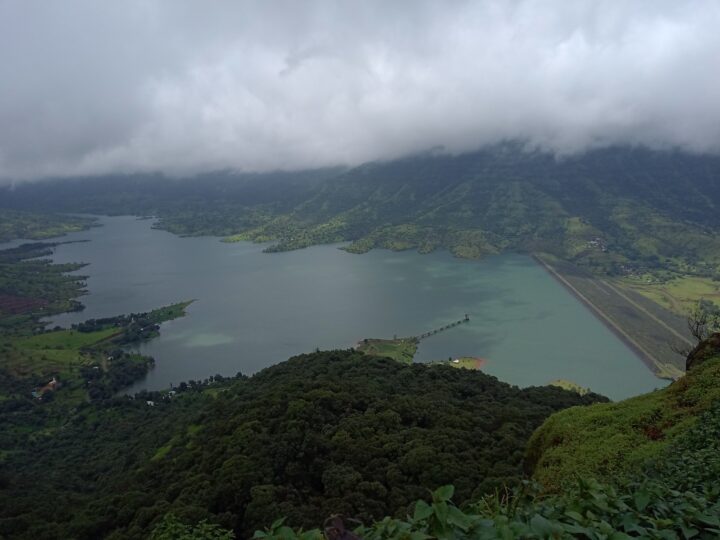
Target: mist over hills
<point>647,209</point>
<point>295,440</point>
<point>257,86</point>
<point>583,135</point>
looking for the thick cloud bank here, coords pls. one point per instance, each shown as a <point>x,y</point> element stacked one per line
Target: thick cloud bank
<point>90,87</point>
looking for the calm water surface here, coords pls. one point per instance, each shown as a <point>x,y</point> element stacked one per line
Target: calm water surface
<point>254,309</point>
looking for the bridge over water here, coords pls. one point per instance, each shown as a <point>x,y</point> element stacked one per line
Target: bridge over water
<point>443,328</point>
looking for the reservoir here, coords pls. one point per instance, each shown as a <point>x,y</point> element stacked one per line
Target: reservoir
<point>254,309</point>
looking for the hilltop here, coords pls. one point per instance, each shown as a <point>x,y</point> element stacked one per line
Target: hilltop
<point>329,432</point>
<point>342,432</point>
<point>646,467</point>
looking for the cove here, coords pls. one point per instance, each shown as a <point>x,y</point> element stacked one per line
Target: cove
<point>254,309</point>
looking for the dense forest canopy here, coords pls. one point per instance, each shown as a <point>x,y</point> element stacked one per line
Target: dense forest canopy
<point>319,434</point>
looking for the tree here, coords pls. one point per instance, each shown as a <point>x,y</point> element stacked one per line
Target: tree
<point>703,320</point>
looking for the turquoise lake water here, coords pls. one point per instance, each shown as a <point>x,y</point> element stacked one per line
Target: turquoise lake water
<point>255,309</point>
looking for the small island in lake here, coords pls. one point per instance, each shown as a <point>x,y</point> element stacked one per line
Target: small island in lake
<point>403,349</point>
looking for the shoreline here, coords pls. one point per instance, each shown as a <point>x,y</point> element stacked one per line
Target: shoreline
<point>650,362</point>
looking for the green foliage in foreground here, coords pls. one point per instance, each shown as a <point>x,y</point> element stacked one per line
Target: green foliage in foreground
<point>677,496</point>
<point>335,431</point>
<point>590,511</point>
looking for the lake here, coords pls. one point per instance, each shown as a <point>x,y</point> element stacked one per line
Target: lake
<point>254,309</point>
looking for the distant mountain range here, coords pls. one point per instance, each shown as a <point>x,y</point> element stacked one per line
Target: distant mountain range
<point>609,210</point>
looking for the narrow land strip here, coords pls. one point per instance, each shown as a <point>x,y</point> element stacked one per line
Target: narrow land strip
<point>402,349</point>
<point>646,312</point>
<point>660,368</point>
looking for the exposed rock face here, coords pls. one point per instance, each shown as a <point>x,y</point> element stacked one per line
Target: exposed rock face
<point>706,349</point>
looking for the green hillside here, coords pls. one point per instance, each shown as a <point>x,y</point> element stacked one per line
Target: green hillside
<point>319,434</point>
<point>614,440</point>
<point>615,211</point>
<point>351,433</point>
<point>646,467</point>
<point>620,211</point>
<point>38,226</point>
<point>369,438</point>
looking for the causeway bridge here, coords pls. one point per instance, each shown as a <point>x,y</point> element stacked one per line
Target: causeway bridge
<point>443,328</point>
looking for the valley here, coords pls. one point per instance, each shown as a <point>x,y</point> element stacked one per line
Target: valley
<point>563,305</point>
<point>253,309</point>
<point>359,270</point>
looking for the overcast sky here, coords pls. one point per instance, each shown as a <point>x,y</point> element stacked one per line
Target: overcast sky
<point>92,86</point>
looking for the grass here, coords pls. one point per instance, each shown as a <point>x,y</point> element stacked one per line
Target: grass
<point>65,339</point>
<point>168,313</point>
<point>569,385</point>
<point>678,295</point>
<point>644,324</point>
<point>611,440</point>
<point>161,452</point>
<point>62,353</point>
<point>44,362</point>
<point>465,362</point>
<point>52,352</point>
<point>402,349</point>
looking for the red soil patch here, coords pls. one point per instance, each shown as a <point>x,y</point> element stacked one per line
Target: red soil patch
<point>15,305</point>
<point>479,362</point>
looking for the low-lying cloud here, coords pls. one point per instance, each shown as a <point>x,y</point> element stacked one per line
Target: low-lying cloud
<point>90,87</point>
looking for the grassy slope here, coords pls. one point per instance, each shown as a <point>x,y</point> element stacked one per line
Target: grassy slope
<point>680,294</point>
<point>569,385</point>
<point>615,211</point>
<point>36,358</point>
<point>403,349</point>
<point>64,339</point>
<point>54,353</point>
<point>610,440</point>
